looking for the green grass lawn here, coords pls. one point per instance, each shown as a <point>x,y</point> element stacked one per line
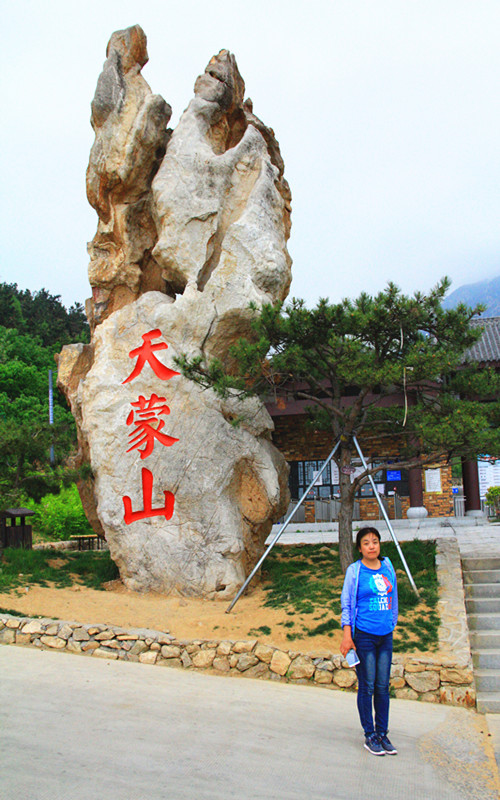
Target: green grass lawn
<point>58,568</point>
<point>306,579</point>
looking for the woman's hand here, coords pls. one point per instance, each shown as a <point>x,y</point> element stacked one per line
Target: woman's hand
<point>347,642</point>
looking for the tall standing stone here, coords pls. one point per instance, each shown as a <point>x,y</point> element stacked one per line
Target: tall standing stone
<point>193,225</point>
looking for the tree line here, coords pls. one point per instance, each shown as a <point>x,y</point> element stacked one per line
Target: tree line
<point>33,328</point>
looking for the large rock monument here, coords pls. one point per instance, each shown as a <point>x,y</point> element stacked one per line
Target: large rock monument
<point>193,225</point>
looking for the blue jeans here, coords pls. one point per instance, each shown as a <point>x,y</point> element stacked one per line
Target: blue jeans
<point>374,672</point>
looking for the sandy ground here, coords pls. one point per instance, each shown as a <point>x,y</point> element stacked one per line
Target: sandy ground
<point>182,617</point>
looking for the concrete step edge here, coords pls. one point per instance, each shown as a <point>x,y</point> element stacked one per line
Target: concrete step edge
<point>483,600</point>
<point>491,634</point>
<point>484,672</point>
<point>485,651</point>
<point>469,587</point>
<point>476,562</point>
<point>479,575</point>
<point>488,702</point>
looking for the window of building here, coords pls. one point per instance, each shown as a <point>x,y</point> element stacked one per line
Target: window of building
<point>302,473</point>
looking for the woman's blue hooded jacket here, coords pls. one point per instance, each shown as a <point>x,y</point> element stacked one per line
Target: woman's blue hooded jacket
<point>350,591</point>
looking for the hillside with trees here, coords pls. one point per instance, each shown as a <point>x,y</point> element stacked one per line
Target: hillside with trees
<point>42,315</point>
<point>33,328</point>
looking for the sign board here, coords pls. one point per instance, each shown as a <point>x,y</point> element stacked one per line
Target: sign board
<point>393,475</point>
<point>433,481</point>
<point>348,470</point>
<point>318,480</point>
<point>489,474</point>
<point>358,471</point>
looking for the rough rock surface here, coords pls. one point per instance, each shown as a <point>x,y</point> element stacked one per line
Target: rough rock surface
<point>192,227</point>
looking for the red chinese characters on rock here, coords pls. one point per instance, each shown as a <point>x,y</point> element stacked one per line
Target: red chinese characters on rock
<point>145,417</point>
<point>147,499</point>
<point>146,352</point>
<point>147,427</point>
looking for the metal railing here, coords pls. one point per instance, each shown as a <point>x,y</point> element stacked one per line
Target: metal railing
<point>300,514</point>
<point>325,510</point>
<point>398,507</point>
<point>459,507</point>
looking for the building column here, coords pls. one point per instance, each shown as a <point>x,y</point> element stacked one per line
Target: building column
<point>417,509</point>
<point>470,477</point>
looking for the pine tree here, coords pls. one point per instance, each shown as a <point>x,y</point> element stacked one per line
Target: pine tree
<point>350,361</point>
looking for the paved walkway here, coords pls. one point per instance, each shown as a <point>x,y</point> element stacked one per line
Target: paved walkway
<point>78,727</point>
<point>475,538</point>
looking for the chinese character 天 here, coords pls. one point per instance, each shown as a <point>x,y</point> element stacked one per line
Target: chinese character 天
<point>146,352</point>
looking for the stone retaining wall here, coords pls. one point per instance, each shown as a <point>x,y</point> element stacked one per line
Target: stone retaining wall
<point>443,677</point>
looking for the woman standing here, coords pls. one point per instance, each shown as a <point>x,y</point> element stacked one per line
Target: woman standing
<point>369,615</point>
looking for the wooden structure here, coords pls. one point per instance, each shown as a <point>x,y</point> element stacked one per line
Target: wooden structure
<point>13,534</point>
<point>88,541</point>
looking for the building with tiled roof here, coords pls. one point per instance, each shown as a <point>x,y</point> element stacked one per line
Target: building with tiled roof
<point>305,450</point>
<point>486,351</point>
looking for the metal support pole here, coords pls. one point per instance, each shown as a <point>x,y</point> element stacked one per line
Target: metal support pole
<point>384,514</point>
<point>288,519</point>
<point>51,416</point>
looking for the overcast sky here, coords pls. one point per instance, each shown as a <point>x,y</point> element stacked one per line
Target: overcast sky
<point>387,113</point>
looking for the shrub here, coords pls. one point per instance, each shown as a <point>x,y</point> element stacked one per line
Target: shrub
<point>493,499</point>
<point>59,516</point>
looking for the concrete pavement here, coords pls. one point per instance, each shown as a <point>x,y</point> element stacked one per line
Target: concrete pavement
<point>79,727</point>
<point>476,537</point>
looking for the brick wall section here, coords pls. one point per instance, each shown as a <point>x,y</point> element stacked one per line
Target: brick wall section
<point>441,505</point>
<point>309,509</point>
<point>369,508</point>
<point>300,443</point>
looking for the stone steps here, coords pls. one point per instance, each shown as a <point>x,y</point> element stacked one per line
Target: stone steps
<point>482,590</point>
<point>481,640</point>
<point>486,658</point>
<point>487,680</point>
<point>484,622</point>
<point>483,605</point>
<point>483,562</point>
<point>488,702</point>
<point>482,576</point>
<point>472,564</point>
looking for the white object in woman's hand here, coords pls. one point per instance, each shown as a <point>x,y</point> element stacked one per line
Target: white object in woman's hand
<point>352,658</point>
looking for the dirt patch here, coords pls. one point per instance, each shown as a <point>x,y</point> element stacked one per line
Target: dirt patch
<point>185,618</point>
<point>55,563</point>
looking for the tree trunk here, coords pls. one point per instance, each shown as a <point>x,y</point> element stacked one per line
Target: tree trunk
<point>346,512</point>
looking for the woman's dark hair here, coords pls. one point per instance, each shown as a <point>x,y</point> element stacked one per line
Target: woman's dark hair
<point>363,532</point>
